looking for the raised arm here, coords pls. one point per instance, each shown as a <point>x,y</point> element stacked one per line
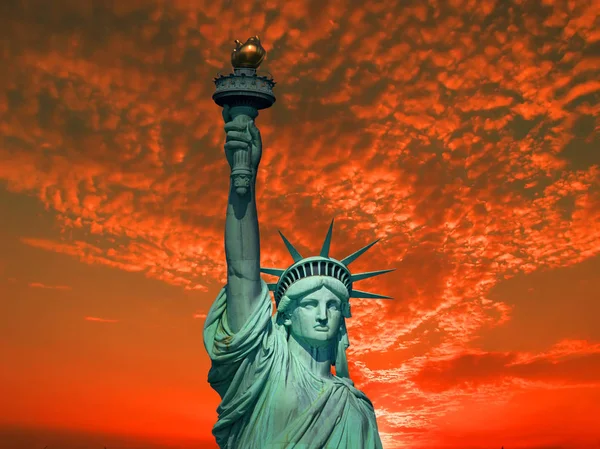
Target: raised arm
<point>243,148</point>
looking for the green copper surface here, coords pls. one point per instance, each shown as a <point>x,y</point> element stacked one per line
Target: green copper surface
<point>274,371</point>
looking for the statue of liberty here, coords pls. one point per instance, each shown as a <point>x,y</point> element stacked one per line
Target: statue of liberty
<point>273,372</point>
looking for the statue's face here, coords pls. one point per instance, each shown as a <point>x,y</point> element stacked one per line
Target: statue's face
<point>316,318</point>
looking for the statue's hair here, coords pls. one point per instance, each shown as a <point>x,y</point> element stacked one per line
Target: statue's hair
<point>311,284</point>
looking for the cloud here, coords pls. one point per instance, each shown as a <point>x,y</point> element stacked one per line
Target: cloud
<point>100,320</point>
<point>52,287</point>
<point>569,362</point>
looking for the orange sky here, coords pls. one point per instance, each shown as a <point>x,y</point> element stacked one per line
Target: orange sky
<point>463,133</point>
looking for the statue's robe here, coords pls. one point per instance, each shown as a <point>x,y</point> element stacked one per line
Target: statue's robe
<point>269,399</point>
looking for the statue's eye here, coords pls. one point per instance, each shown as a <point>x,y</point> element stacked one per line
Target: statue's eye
<point>308,304</point>
<point>334,305</point>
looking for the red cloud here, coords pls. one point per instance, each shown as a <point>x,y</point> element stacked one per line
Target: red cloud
<point>52,287</point>
<point>100,320</point>
<point>576,364</point>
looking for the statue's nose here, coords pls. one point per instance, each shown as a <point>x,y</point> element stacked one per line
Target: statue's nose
<point>321,313</point>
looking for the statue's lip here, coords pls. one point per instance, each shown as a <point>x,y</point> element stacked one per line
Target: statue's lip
<point>322,328</point>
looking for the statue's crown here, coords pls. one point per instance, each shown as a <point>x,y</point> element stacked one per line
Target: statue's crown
<point>321,265</point>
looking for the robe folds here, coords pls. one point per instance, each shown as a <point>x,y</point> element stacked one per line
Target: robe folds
<point>269,400</point>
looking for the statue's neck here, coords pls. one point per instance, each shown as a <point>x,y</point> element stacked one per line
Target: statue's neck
<point>316,359</point>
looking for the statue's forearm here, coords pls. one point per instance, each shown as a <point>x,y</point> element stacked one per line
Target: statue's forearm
<point>241,228</point>
<point>242,250</point>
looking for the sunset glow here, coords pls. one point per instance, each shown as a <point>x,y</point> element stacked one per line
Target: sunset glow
<point>464,134</point>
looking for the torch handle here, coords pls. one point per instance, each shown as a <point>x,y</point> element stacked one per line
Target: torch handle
<point>241,171</point>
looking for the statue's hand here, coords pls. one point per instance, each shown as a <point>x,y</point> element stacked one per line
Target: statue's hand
<point>243,146</point>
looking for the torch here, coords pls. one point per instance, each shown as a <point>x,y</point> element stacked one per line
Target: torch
<point>245,92</point>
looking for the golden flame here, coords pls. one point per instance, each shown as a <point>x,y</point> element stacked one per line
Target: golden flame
<point>248,55</point>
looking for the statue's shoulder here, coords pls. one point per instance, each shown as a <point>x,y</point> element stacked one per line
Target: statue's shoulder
<point>344,382</point>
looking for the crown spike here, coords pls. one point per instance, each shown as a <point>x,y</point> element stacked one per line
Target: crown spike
<point>352,257</point>
<point>361,294</point>
<point>325,248</point>
<point>293,251</point>
<point>273,271</point>
<point>369,274</point>
<point>272,286</point>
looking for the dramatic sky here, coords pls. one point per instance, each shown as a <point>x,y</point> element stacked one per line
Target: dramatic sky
<point>463,133</point>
